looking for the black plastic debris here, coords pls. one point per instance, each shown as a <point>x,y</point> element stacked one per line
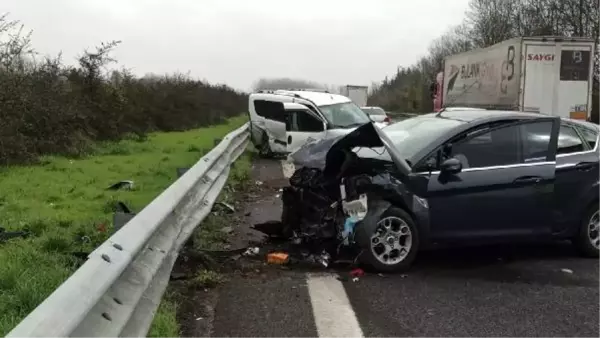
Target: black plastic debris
<point>181,171</point>
<point>122,207</point>
<point>6,235</point>
<point>121,185</point>
<point>273,229</point>
<point>122,215</point>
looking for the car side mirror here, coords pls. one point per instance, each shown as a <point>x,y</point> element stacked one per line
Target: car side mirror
<point>451,166</point>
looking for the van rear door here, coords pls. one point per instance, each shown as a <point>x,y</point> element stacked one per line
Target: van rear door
<point>557,77</point>
<point>267,114</point>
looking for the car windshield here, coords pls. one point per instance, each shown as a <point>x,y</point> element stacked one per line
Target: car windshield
<point>374,111</point>
<point>411,135</point>
<point>344,115</point>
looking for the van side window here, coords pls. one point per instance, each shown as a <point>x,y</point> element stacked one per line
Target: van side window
<point>270,110</point>
<point>300,120</point>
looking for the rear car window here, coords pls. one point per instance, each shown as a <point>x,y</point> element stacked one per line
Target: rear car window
<point>590,137</point>
<point>569,141</point>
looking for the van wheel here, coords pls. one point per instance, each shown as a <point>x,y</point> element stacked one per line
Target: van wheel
<point>393,241</point>
<point>588,238</point>
<point>264,149</point>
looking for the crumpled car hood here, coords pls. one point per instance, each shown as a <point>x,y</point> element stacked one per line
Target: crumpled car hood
<point>316,153</point>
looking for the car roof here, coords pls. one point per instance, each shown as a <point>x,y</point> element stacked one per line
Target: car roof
<point>319,98</point>
<point>472,115</point>
<point>584,124</point>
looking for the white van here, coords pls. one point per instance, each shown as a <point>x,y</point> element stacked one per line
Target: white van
<point>282,121</point>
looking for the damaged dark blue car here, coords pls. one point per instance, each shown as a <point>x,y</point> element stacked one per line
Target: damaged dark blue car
<point>447,178</point>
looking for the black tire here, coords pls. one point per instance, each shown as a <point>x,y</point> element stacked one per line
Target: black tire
<point>365,231</point>
<point>582,241</point>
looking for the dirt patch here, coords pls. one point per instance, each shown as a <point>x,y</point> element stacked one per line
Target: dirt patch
<point>230,234</point>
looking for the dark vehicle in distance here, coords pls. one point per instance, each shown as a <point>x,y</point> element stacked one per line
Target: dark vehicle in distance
<point>450,178</point>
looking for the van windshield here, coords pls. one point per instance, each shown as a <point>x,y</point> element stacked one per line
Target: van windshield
<point>374,111</point>
<point>344,115</point>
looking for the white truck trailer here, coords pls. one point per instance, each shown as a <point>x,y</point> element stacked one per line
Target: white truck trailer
<point>358,94</point>
<point>550,75</point>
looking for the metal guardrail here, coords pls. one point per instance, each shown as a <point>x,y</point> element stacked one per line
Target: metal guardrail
<point>116,292</point>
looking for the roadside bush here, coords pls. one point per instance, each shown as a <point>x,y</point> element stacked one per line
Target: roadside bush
<point>47,107</point>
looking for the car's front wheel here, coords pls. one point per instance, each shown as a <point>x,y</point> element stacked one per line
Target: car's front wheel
<point>393,241</point>
<point>588,238</point>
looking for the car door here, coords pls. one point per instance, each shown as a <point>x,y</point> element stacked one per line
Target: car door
<point>270,112</point>
<point>301,126</point>
<point>504,188</point>
<point>577,173</point>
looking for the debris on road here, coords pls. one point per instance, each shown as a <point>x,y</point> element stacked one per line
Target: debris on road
<point>279,258</point>
<point>259,183</point>
<point>324,258</point>
<point>358,272</point>
<point>252,251</point>
<point>227,229</point>
<point>125,185</point>
<point>272,229</point>
<point>225,206</point>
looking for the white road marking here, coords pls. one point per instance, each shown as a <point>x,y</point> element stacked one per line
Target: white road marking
<point>332,311</point>
<point>288,168</point>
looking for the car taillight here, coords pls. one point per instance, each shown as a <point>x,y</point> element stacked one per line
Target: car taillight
<point>387,119</point>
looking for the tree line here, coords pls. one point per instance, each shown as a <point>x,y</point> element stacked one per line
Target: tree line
<point>47,107</point>
<point>488,22</point>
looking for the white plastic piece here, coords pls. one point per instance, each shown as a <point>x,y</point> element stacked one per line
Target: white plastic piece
<point>356,209</point>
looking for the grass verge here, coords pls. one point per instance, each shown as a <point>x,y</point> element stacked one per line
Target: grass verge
<point>67,209</point>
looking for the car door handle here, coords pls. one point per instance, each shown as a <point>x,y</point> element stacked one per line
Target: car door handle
<point>584,166</point>
<point>528,179</point>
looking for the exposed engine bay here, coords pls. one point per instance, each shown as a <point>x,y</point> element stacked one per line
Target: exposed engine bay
<point>325,204</point>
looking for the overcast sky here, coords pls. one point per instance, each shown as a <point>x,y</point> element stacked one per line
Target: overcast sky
<point>238,41</point>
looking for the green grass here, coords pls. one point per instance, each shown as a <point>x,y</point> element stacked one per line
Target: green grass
<point>165,321</point>
<point>63,202</point>
<point>208,279</point>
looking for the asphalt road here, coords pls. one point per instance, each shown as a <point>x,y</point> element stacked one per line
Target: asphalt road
<point>536,290</point>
